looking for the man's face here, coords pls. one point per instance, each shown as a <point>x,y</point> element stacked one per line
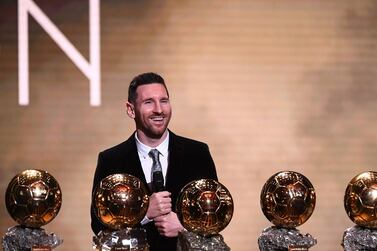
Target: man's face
<point>151,110</point>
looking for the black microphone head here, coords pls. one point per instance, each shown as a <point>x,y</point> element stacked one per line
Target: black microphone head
<point>158,181</point>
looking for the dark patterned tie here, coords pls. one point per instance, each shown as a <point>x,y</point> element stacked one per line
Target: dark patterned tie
<point>157,177</point>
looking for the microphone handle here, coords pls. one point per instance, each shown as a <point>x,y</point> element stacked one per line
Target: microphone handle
<point>158,181</point>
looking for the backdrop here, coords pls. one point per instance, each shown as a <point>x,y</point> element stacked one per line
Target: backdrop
<point>269,85</point>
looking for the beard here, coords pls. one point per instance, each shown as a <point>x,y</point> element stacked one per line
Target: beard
<point>153,133</point>
<point>151,130</point>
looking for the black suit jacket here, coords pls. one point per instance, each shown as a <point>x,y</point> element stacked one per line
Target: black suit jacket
<point>189,160</point>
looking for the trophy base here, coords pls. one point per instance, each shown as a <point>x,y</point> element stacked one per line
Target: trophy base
<point>25,239</point>
<point>284,239</point>
<point>41,249</point>
<point>297,248</point>
<point>188,241</point>
<point>129,239</point>
<point>359,238</point>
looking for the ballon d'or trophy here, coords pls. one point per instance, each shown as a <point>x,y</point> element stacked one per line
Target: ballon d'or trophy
<point>121,202</point>
<point>287,200</point>
<point>360,202</point>
<point>204,207</point>
<point>33,199</point>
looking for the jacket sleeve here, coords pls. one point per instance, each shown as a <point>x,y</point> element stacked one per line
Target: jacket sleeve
<point>210,170</point>
<point>99,174</point>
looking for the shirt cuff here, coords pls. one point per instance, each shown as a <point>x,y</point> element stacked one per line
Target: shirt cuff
<point>146,220</point>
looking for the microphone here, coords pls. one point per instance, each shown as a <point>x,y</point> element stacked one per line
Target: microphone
<point>158,181</point>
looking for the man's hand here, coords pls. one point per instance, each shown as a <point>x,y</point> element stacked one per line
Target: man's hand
<point>168,225</point>
<point>159,204</point>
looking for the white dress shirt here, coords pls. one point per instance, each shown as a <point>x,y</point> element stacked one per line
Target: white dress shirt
<point>147,162</point>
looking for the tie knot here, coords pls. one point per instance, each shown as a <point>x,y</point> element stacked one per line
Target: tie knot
<point>154,153</point>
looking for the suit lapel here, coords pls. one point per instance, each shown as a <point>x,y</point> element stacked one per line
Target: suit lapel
<point>133,162</point>
<point>175,162</point>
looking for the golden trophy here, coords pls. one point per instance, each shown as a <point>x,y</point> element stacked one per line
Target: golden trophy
<point>360,203</point>
<point>204,207</point>
<point>287,200</point>
<point>121,202</point>
<point>33,199</point>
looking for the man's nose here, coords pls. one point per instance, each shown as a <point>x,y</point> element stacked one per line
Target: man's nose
<point>157,107</point>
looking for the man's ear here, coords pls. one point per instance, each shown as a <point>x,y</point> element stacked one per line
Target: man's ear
<point>130,110</point>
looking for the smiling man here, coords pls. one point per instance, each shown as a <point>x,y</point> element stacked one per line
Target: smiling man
<point>163,161</point>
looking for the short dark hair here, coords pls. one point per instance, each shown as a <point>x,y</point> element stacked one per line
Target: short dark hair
<point>144,79</point>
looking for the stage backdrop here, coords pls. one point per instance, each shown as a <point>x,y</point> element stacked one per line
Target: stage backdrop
<point>269,85</point>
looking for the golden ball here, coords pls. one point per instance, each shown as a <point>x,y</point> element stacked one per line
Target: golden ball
<point>360,199</point>
<point>204,207</point>
<point>33,198</point>
<point>288,199</point>
<point>121,200</point>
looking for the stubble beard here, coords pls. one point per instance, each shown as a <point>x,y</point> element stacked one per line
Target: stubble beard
<point>151,131</point>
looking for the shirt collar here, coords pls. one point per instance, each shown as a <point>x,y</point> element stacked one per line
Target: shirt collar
<point>143,149</point>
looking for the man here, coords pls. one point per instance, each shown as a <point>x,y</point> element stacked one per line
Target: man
<point>181,160</point>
